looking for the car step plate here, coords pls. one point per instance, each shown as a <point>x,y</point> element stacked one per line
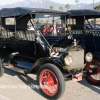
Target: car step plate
<point>11,67</point>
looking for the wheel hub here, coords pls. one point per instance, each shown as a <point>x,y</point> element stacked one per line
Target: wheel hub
<point>50,81</point>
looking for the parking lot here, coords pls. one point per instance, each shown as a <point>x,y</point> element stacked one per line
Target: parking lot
<point>14,86</point>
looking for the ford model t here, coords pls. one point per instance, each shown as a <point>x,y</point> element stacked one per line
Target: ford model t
<point>86,28</point>
<point>35,40</point>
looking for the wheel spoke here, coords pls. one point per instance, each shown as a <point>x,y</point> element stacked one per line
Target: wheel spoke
<point>94,68</point>
<point>96,77</point>
<point>49,82</point>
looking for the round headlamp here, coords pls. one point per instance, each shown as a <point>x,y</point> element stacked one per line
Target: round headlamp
<point>89,57</point>
<point>68,60</point>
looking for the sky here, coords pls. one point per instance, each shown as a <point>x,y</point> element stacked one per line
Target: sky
<point>73,1</point>
<point>3,2</point>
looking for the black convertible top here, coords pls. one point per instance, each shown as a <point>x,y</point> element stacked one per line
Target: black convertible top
<point>6,12</point>
<point>85,12</point>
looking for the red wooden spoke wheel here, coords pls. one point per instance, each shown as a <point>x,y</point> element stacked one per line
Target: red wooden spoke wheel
<point>51,81</point>
<point>93,68</point>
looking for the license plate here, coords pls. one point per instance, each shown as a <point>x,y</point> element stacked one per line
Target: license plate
<point>77,77</point>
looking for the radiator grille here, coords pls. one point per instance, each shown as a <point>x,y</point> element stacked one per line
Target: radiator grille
<point>78,58</point>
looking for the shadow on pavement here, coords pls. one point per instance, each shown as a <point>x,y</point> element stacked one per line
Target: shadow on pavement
<point>92,87</point>
<point>30,82</point>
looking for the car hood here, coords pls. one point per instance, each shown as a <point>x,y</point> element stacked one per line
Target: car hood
<point>59,41</point>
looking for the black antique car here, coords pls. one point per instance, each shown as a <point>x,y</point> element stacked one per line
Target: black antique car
<point>85,29</point>
<point>35,40</point>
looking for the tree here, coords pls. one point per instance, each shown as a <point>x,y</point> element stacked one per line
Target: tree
<point>67,6</point>
<point>97,7</point>
<point>52,7</point>
<point>60,8</point>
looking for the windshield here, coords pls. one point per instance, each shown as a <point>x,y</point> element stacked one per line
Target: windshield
<point>49,24</point>
<point>91,24</point>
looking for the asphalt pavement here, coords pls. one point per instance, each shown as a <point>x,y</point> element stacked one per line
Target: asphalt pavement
<point>3,98</point>
<point>14,86</point>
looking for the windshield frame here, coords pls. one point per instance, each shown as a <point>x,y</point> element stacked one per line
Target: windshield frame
<point>62,18</point>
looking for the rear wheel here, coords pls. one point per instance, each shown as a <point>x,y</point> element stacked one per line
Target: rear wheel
<point>51,81</point>
<point>1,69</point>
<point>93,72</point>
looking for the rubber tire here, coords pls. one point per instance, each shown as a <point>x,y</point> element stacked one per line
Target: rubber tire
<point>1,69</point>
<point>90,81</point>
<point>61,81</point>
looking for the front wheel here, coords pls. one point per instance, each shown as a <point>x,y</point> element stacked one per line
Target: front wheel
<point>93,72</point>
<point>51,81</point>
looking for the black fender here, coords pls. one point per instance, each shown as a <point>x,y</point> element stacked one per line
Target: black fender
<point>41,61</point>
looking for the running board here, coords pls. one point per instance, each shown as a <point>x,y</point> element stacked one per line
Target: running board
<point>16,69</point>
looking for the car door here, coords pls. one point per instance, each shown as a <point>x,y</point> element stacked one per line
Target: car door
<point>97,40</point>
<point>89,41</point>
<point>24,44</point>
<point>7,40</point>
